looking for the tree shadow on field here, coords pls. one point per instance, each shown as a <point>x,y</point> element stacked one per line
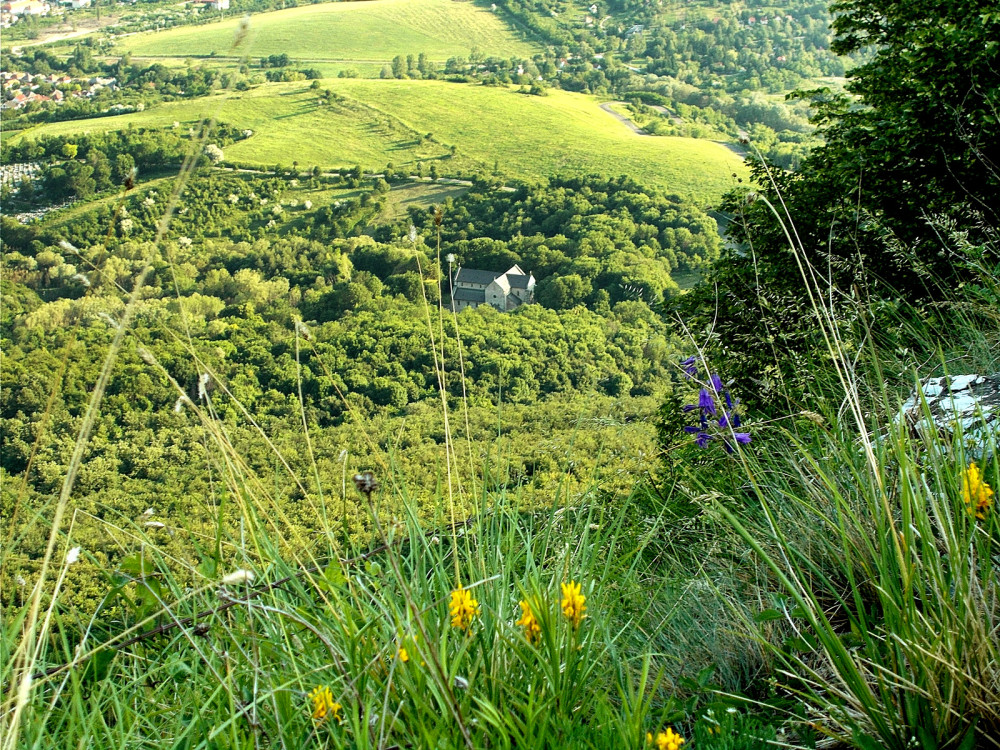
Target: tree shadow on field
<point>304,109</point>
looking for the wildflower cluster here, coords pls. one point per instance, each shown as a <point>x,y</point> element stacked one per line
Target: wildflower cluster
<point>977,494</point>
<point>572,605</point>
<point>324,705</point>
<point>463,609</point>
<point>668,740</point>
<point>716,408</point>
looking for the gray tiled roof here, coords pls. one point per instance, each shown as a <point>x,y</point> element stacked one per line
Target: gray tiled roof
<point>518,282</point>
<point>475,276</point>
<point>469,295</point>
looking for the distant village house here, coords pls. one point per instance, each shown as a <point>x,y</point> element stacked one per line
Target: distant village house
<point>25,8</point>
<point>213,4</point>
<point>505,290</point>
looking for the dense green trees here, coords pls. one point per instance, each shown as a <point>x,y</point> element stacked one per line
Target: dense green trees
<point>925,139</point>
<point>363,363</point>
<point>586,239</point>
<point>234,277</point>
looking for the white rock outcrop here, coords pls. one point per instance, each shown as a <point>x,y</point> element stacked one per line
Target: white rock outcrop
<point>966,405</point>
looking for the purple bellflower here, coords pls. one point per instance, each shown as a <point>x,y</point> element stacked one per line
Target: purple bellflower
<point>705,402</point>
<point>708,406</point>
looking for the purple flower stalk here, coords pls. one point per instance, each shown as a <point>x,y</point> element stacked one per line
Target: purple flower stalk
<point>707,407</point>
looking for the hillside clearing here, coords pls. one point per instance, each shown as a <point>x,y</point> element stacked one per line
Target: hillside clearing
<point>416,195</point>
<point>522,136</point>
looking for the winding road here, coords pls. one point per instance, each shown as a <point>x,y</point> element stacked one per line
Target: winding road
<point>622,118</point>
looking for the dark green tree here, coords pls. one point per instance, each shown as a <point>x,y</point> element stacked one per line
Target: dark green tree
<point>101,169</point>
<point>398,67</point>
<point>925,140</point>
<point>914,155</point>
<point>124,164</point>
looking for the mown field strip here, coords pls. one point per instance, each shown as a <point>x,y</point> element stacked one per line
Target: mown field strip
<point>370,31</point>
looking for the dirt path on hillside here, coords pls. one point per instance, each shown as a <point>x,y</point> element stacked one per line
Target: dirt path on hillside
<point>89,27</point>
<point>736,148</point>
<point>622,118</point>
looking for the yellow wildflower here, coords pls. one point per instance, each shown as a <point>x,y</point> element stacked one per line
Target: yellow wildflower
<point>403,645</point>
<point>668,740</point>
<point>573,605</point>
<point>977,494</point>
<point>323,704</point>
<point>463,609</point>
<point>528,621</point>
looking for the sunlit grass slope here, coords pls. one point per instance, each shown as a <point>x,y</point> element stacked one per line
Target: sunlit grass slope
<point>375,30</point>
<point>377,122</point>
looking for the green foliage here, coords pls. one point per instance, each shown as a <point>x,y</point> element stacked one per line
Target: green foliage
<point>898,202</point>
<point>890,592</point>
<point>588,240</point>
<point>802,584</point>
<point>231,308</point>
<point>369,621</point>
<point>926,136</point>
<point>862,526</point>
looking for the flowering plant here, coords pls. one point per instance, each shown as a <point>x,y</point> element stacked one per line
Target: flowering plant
<point>718,411</point>
<point>573,603</point>
<point>463,609</point>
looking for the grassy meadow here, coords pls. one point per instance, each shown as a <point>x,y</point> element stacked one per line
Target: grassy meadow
<point>372,31</point>
<point>375,122</point>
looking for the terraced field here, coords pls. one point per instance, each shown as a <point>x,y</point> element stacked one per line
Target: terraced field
<point>375,122</point>
<point>370,31</point>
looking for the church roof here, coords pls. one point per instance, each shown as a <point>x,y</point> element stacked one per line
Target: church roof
<point>475,276</point>
<point>518,281</point>
<point>469,295</point>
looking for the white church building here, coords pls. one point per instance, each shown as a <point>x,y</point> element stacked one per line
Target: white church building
<point>504,290</point>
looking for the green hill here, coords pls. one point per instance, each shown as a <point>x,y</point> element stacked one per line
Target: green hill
<point>372,31</point>
<point>523,136</point>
